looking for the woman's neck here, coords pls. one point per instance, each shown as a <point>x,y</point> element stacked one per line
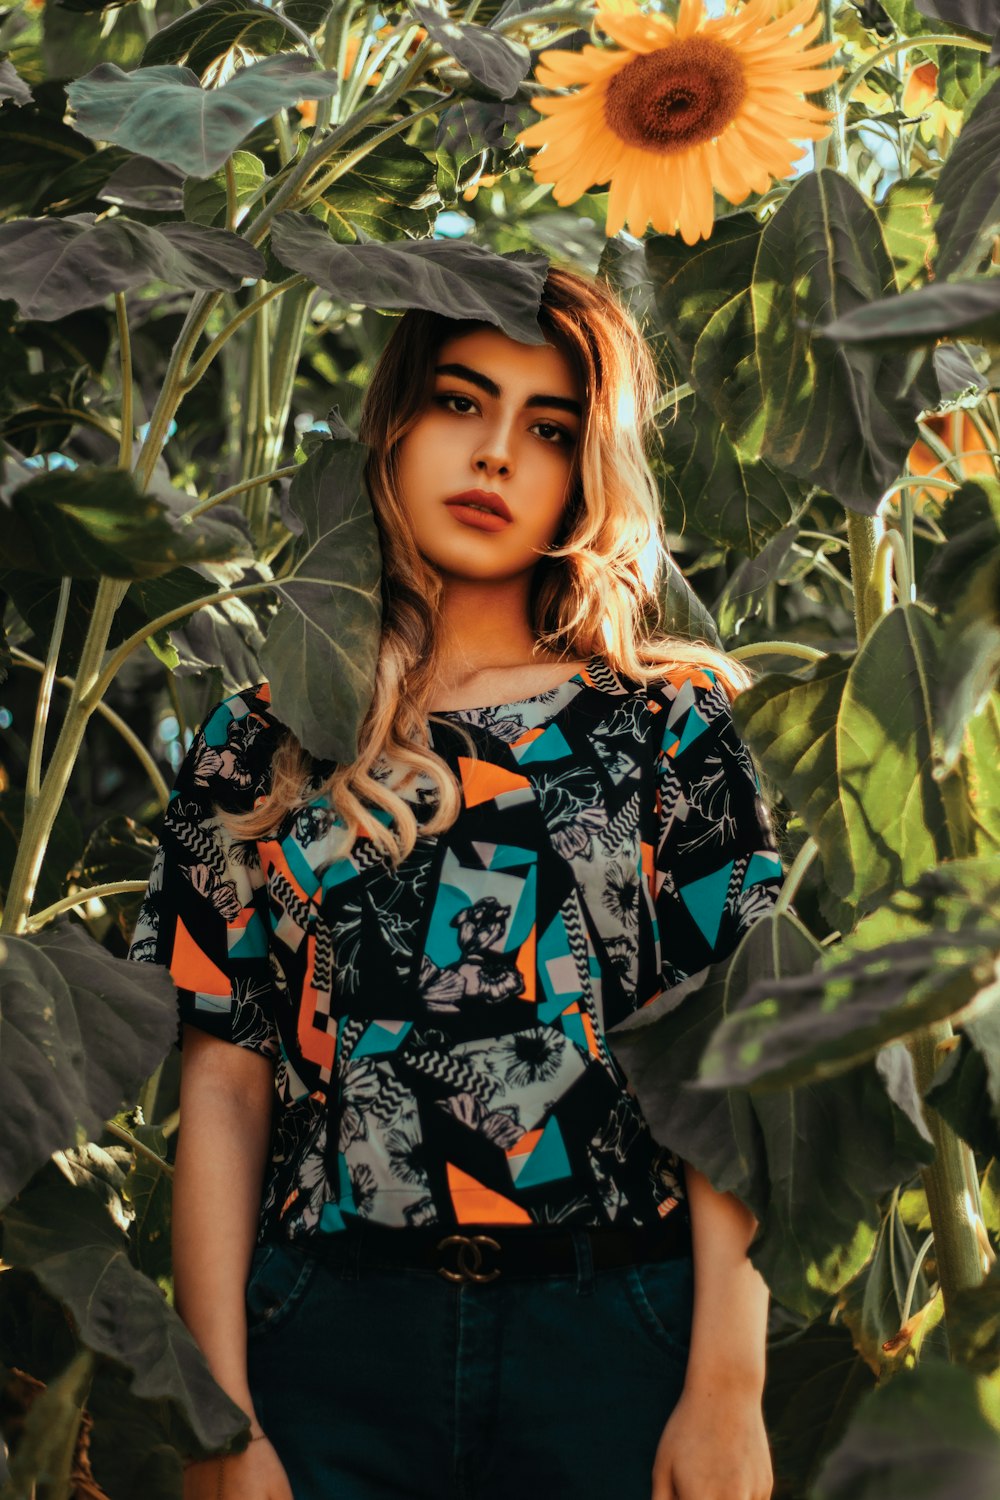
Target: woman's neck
<point>487,649</point>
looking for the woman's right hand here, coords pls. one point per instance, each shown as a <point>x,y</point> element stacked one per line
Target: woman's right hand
<point>255,1474</point>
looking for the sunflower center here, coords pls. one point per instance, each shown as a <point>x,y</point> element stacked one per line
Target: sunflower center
<point>677,97</point>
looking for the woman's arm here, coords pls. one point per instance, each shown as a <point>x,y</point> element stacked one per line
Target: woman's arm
<point>714,1447</point>
<point>227,1095</point>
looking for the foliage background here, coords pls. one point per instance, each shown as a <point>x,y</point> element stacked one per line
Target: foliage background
<point>828,468</point>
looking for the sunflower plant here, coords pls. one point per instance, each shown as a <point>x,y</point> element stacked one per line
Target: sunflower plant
<point>210,214</point>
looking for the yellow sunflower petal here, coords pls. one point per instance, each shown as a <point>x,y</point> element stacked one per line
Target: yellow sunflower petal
<point>638,35</point>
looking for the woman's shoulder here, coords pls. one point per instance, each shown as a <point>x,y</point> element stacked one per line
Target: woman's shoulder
<point>229,760</point>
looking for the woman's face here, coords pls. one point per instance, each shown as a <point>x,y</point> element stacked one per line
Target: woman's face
<point>501,428</point>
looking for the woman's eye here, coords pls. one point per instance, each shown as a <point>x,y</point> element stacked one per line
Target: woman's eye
<point>448,396</point>
<point>552,433</point>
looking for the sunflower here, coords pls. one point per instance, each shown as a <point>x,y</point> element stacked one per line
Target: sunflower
<point>679,108</point>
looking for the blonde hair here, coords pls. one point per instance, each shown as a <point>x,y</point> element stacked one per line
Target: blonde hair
<point>595,592</point>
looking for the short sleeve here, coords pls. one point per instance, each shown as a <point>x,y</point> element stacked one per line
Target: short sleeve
<point>204,914</point>
<point>716,861</point>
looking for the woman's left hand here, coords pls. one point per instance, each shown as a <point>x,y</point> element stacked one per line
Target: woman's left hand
<point>714,1447</point>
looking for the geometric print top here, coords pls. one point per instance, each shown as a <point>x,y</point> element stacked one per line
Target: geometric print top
<point>438,1030</point>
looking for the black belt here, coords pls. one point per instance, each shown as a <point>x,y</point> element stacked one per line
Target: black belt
<point>486,1253</point>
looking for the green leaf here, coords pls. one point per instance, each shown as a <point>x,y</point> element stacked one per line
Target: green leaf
<point>51,267</point>
<point>922,1436</point>
<point>971,15</point>
<point>388,195</point>
<point>750,583</point>
<point>205,200</point>
<point>692,282</point>
<point>872,1304</point>
<point>55,989</point>
<point>930,954</point>
<point>682,611</point>
<point>710,488</point>
<point>835,417</point>
<point>453,278</point>
<point>91,523</point>
<point>961,1089</point>
<point>907,214</point>
<point>322,647</point>
<point>13,86</point>
<point>814,1382</point>
<point>148,1190</point>
<point>63,1234</point>
<point>203,35</point>
<point>490,58</point>
<point>969,192</point>
<point>956,308</point>
<point>63,849</point>
<point>893,804</point>
<point>971,657</point>
<point>119,848</point>
<point>223,637</point>
<point>790,723</point>
<point>810,1164</point>
<point>35,146</point>
<point>974,1324</point>
<point>145,184</point>
<point>164,113</point>
<point>833,1147</point>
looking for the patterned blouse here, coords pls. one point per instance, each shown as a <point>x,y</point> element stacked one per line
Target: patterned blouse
<point>438,1030</point>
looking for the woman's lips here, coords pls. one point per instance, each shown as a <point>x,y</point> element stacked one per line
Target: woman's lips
<point>482,520</point>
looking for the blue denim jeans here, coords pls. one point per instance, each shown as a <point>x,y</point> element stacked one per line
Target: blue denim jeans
<point>388,1384</point>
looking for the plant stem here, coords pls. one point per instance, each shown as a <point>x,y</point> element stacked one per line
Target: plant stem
<point>127,733</point>
<point>793,879</point>
<point>953,1205</point>
<point>34,777</point>
<point>252,308</point>
<point>125,352</point>
<point>901,44</point>
<point>237,489</point>
<point>863,533</point>
<point>777,648</point>
<point>833,150</point>
<point>139,1147</point>
<point>39,822</point>
<point>80,898</point>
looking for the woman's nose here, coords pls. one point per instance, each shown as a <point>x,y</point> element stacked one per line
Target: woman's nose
<point>495,454</point>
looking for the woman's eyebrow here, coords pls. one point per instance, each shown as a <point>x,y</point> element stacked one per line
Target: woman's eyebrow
<point>476,377</point>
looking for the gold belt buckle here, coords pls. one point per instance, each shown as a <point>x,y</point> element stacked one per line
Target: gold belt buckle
<point>468,1257</point>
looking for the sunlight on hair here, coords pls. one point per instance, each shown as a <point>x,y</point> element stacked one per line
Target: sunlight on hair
<point>648,562</point>
<point>607,630</point>
<point>626,407</point>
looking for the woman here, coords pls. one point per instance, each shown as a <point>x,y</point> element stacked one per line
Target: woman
<point>458,1264</point>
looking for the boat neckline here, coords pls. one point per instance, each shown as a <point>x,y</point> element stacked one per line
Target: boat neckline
<point>492,708</point>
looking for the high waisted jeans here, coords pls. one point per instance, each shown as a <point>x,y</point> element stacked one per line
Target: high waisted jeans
<point>388,1384</point>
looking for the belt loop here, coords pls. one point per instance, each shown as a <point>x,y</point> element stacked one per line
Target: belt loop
<point>584,1262</point>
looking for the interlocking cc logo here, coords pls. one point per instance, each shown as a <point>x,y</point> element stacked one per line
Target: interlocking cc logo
<point>468,1257</point>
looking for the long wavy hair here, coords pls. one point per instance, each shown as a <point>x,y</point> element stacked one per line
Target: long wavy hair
<point>596,591</point>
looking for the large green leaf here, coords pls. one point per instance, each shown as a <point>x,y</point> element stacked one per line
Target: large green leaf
<point>711,489</point>
<point>930,954</point>
<point>90,522</point>
<point>752,581</point>
<point>204,34</point>
<point>907,214</point>
<point>60,1230</point>
<point>790,724</point>
<point>56,989</point>
<point>833,416</point>
<point>164,113</point>
<point>455,279</point>
<point>814,1381</point>
<point>13,86</point>
<point>974,1324</point>
<point>893,804</point>
<point>321,650</point>
<point>961,1089</point>
<point>388,195</point>
<point>922,1436</point>
<point>51,267</point>
<point>35,146</point>
<point>920,317</point>
<point>494,61</point>
<point>206,200</point>
<point>968,191</point>
<point>693,282</point>
<point>145,184</point>
<point>809,1163</point>
<point>225,637</point>
<point>682,612</point>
